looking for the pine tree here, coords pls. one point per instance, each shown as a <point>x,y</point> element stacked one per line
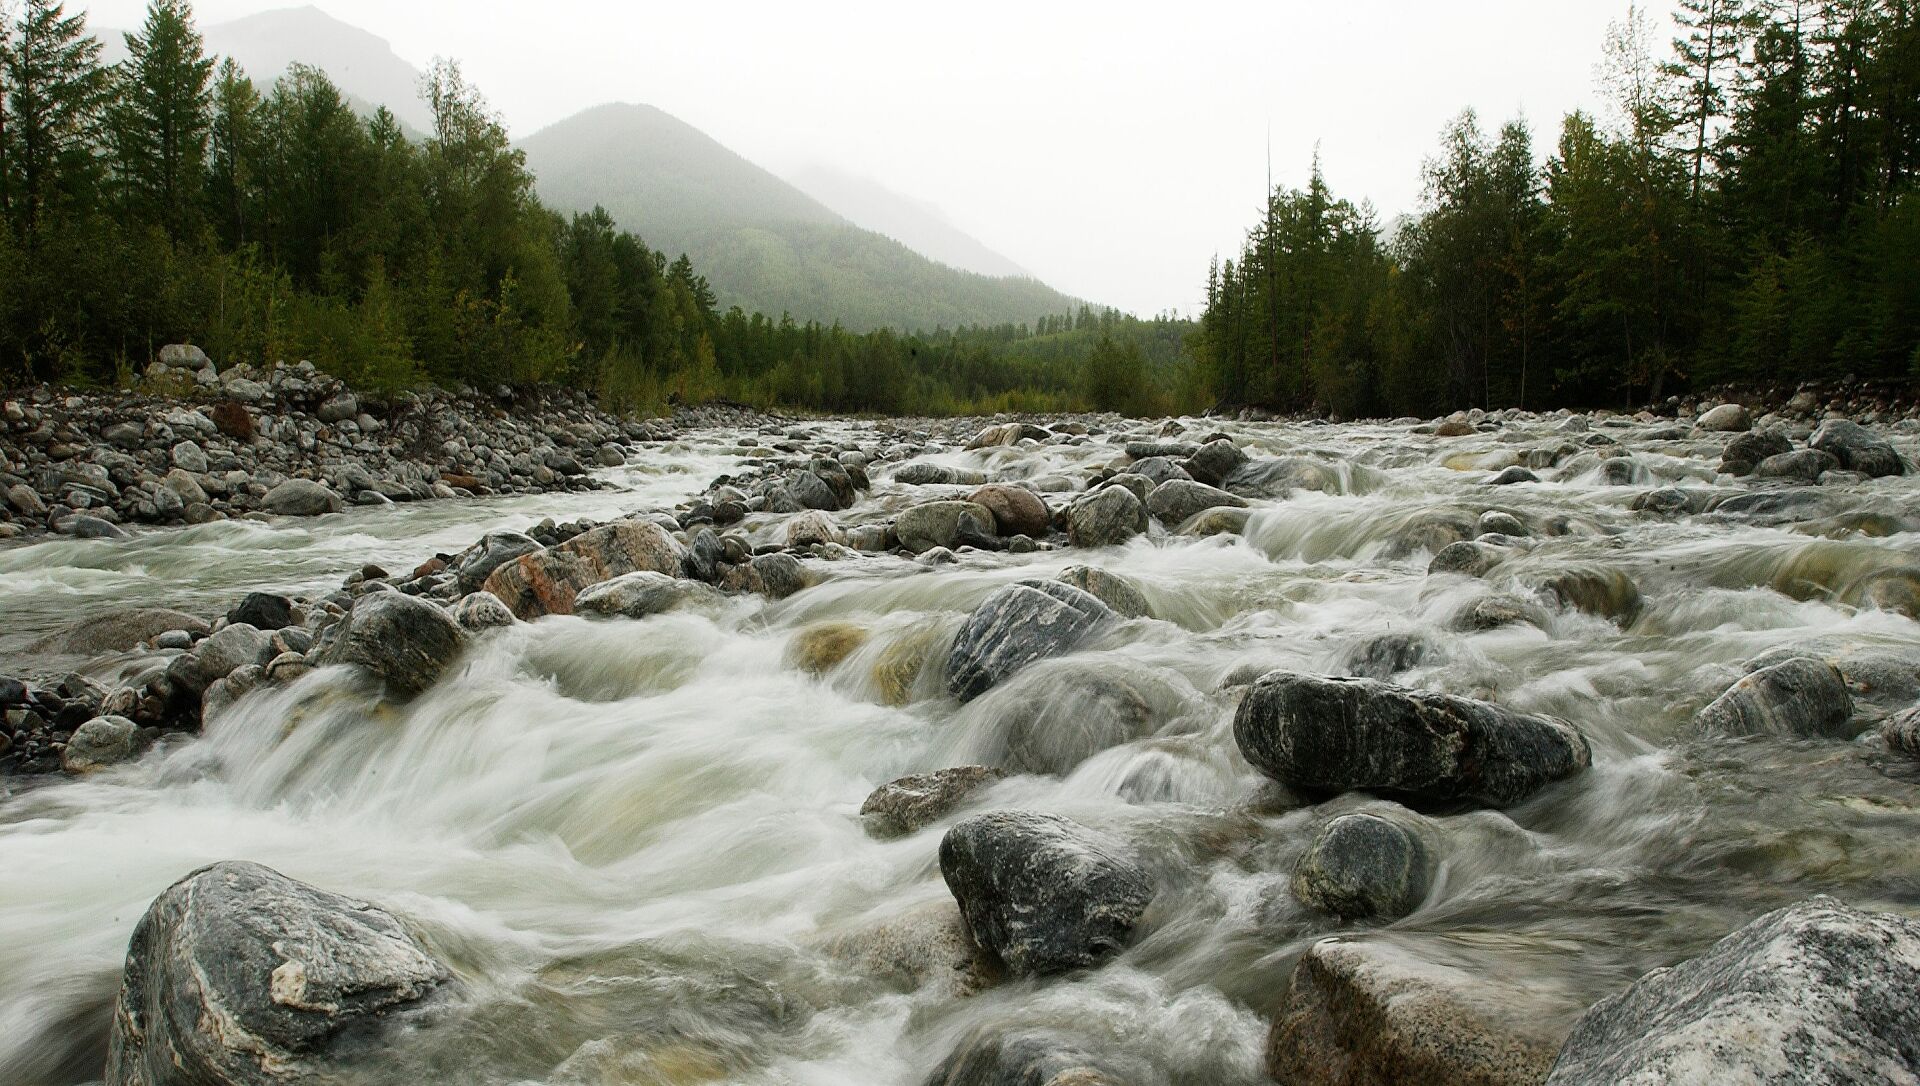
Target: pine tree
<point>56,90</point>
<point>1705,55</point>
<point>159,123</point>
<point>233,134</point>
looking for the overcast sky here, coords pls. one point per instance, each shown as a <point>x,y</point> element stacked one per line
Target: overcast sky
<point>1110,148</point>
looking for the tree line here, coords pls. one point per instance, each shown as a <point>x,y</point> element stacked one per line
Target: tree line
<point>1747,214</point>
<point>171,198</point>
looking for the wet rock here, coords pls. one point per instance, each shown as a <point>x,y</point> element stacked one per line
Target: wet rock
<point>263,611</point>
<point>1468,558</point>
<point>1492,611</point>
<point>1159,470</point>
<point>813,492</point>
<point>823,646</point>
<point>1728,418</point>
<point>1214,461</point>
<point>102,741</point>
<point>924,474</point>
<point>1896,590</point>
<point>1021,623</point>
<point>1388,655</point>
<point>1218,522</point>
<point>1499,522</point>
<point>1364,867</point>
<point>896,673</point>
<point>482,611</point>
<point>1818,993</point>
<point>1336,735</point>
<point>230,647</point>
<point>240,976</point>
<point>302,498</point>
<point>1056,717</point>
<point>474,565</point>
<point>1116,590</point>
<point>813,527</point>
<point>1376,1012</point>
<point>924,947</point>
<point>1512,475</point>
<point>1800,465</point>
<point>1857,448</point>
<point>1749,449</point>
<point>1279,478</point>
<point>1107,517</point>
<point>1799,697</point>
<point>949,524</point>
<point>85,526</point>
<point>1019,1058</point>
<point>1016,510</point>
<point>637,595</point>
<point>117,631</point>
<point>407,642</point>
<point>912,803</point>
<point>1605,592</point>
<point>1042,893</point>
<point>223,692</point>
<point>544,582</point>
<point>776,576</point>
<point>627,546</point>
<point>1179,500</point>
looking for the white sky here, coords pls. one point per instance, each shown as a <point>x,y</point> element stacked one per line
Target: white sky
<point>1110,148</point>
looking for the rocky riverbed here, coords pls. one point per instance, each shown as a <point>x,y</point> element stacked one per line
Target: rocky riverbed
<point>1496,749</point>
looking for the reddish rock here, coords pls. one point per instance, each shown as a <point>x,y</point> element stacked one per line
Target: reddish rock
<point>546,581</point>
<point>231,418</point>
<point>1016,510</point>
<point>460,482</point>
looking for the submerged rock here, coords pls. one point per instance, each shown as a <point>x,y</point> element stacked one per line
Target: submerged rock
<point>1376,1012</point>
<point>1043,893</point>
<point>407,642</point>
<point>823,646</point>
<point>1021,1058</point>
<point>1336,735</point>
<point>1116,590</point>
<point>240,976</point>
<point>914,802</point>
<point>1819,993</point>
<point>1364,867</point>
<point>1017,625</point>
<point>1798,697</point>
<point>118,631</point>
<point>1279,478</point>
<point>1605,592</point>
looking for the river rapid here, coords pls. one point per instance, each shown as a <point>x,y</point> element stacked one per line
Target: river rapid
<point>637,842</point>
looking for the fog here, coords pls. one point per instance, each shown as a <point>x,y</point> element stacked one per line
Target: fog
<point>1110,149</point>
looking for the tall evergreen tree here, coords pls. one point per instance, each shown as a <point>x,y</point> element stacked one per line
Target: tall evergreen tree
<point>232,142</point>
<point>159,122</point>
<point>1705,55</point>
<point>56,90</point>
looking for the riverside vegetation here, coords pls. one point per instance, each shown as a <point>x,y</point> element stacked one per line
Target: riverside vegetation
<point>1501,748</point>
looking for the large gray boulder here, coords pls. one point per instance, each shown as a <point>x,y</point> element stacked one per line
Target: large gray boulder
<point>1857,448</point>
<point>240,976</point>
<point>639,594</point>
<point>1113,589</point>
<point>474,565</point>
<point>1365,867</point>
<point>1175,501</point>
<point>1043,893</point>
<point>118,630</point>
<point>1279,478</point>
<point>1021,623</point>
<point>913,802</point>
<point>1797,697</point>
<point>302,498</point>
<point>1108,516</point>
<point>407,642</point>
<point>102,741</point>
<point>1336,735</point>
<point>948,524</point>
<point>1728,418</point>
<point>1816,994</point>
<point>1016,510</point>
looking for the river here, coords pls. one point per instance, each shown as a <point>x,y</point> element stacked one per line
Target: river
<point>637,842</point>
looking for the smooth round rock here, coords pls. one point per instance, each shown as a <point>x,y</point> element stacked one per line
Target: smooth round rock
<point>1364,867</point>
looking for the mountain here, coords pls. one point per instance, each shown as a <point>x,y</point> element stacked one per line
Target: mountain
<point>365,68</point>
<point>918,225</point>
<point>762,243</point>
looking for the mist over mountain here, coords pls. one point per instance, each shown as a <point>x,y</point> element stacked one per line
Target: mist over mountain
<point>919,225</point>
<point>762,243</point>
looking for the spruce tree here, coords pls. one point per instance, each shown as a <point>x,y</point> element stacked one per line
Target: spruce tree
<point>55,93</point>
<point>159,122</point>
<point>1704,57</point>
<point>232,138</point>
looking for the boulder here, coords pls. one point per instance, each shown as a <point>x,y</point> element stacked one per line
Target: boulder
<point>302,498</point>
<point>914,802</point>
<point>1377,1012</point>
<point>1223,521</point>
<point>482,611</point>
<point>474,565</point>
<point>184,356</point>
<point>1467,557</point>
<point>637,595</point>
<point>1800,697</point>
<point>824,646</point>
<point>1728,418</point>
<point>544,582</point>
<point>240,976</point>
<point>1335,735</point>
<point>231,647</point>
<point>1019,1058</point>
<point>1113,589</point>
<point>263,611</point>
<point>1212,462</point>
<point>408,642</point>
<point>1059,716</point>
<point>1605,592</point>
<point>627,546</point>
<point>776,576</point>
<point>189,457</point>
<point>1176,501</point>
<point>1016,510</point>
<point>1021,623</point>
<point>1365,867</point>
<point>1042,893</point>
<point>1818,993</point>
<point>117,631</point>
<point>1857,448</point>
<point>949,524</point>
<point>1800,465</point>
<point>1107,517</point>
<point>1754,446</point>
<point>102,741</point>
<point>813,527</point>
<point>1902,733</point>
<point>1279,478</point>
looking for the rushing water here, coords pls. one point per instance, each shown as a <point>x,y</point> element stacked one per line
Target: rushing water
<point>637,842</point>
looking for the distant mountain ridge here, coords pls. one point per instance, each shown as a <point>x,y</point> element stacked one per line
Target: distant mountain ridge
<point>763,243</point>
